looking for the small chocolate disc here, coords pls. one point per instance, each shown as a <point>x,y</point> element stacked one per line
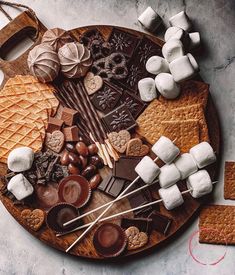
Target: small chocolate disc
<point>109,240</point>
<point>74,189</point>
<point>60,214</point>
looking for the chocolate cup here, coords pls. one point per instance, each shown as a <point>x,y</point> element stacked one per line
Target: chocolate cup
<point>55,218</point>
<point>83,190</point>
<point>47,195</point>
<point>109,240</point>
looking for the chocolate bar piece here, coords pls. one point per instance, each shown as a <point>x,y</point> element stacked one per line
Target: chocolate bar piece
<point>119,119</point>
<point>112,186</point>
<point>143,224</point>
<point>120,168</point>
<point>123,42</point>
<point>54,124</point>
<point>107,98</point>
<point>71,133</point>
<point>69,116</point>
<point>160,222</point>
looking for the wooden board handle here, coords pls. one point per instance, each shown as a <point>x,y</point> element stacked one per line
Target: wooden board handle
<point>10,34</point>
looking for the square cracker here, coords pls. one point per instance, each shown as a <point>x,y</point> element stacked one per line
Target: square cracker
<point>192,92</point>
<point>193,112</point>
<point>229,180</point>
<point>185,132</point>
<point>218,222</point>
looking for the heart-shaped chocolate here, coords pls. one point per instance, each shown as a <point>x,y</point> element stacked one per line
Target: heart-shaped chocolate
<point>55,141</point>
<point>136,148</point>
<point>92,83</point>
<point>33,218</point>
<point>119,140</point>
<point>135,238</point>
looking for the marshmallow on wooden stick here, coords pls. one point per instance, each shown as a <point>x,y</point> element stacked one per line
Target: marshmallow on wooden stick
<point>147,89</point>
<point>172,49</point>
<point>171,197</point>
<point>156,65</point>
<point>200,184</point>
<point>147,169</point>
<point>181,20</point>
<point>150,20</point>
<point>167,86</point>
<point>186,165</point>
<point>165,149</point>
<point>182,68</point>
<point>169,175</point>
<point>203,154</point>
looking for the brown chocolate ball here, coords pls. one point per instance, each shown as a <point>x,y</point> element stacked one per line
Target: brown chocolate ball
<point>93,150</point>
<point>82,149</point>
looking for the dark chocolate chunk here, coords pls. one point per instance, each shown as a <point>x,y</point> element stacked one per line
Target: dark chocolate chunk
<point>69,116</point>
<point>123,42</point>
<point>120,166</point>
<point>143,224</point>
<point>71,133</point>
<point>160,222</point>
<point>112,186</point>
<point>105,182</point>
<point>119,119</point>
<point>107,98</point>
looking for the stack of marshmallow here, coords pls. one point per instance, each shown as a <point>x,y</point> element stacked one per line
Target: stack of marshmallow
<point>178,168</point>
<point>176,66</point>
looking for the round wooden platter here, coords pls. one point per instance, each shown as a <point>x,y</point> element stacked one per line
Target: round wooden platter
<point>180,216</point>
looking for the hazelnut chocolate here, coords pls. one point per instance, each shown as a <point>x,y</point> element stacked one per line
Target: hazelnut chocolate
<point>71,133</point>
<point>69,116</point>
<point>54,124</point>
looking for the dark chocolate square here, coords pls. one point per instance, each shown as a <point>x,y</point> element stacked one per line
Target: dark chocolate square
<point>119,119</point>
<point>107,98</point>
<point>124,168</point>
<point>112,186</point>
<point>160,222</point>
<point>143,224</point>
<point>123,42</point>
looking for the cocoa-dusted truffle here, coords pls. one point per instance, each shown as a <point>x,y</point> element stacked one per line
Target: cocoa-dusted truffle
<point>44,63</point>
<point>56,38</point>
<point>75,60</point>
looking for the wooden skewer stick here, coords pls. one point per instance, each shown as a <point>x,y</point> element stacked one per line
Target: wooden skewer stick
<point>108,203</point>
<point>111,150</point>
<point>109,162</point>
<point>102,214</point>
<point>100,150</point>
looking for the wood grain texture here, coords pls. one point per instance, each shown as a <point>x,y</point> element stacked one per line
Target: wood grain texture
<point>181,216</point>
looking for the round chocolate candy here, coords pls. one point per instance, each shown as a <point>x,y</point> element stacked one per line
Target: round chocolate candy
<point>73,169</point>
<point>93,149</point>
<point>71,147</point>
<point>74,189</point>
<point>73,158</point>
<point>89,171</point>
<point>47,195</point>
<point>60,214</point>
<point>64,160</point>
<point>95,181</point>
<point>109,240</point>
<point>82,149</point>
<point>83,161</point>
<point>97,161</point>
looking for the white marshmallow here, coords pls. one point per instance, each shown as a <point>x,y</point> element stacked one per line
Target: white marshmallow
<point>194,40</point>
<point>156,65</point>
<point>186,165</point>
<point>181,69</point>
<point>171,197</point>
<point>169,175</point>
<point>167,86</point>
<point>172,49</point>
<point>147,169</point>
<point>20,187</point>
<point>20,159</point>
<point>193,62</point>
<point>177,33</point>
<point>165,149</point>
<point>181,20</point>
<point>203,154</point>
<point>150,19</point>
<point>200,183</point>
<point>147,89</point>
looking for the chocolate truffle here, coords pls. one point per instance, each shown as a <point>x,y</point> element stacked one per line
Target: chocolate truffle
<point>56,38</point>
<point>109,240</point>
<point>74,189</point>
<point>75,60</point>
<point>44,63</point>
